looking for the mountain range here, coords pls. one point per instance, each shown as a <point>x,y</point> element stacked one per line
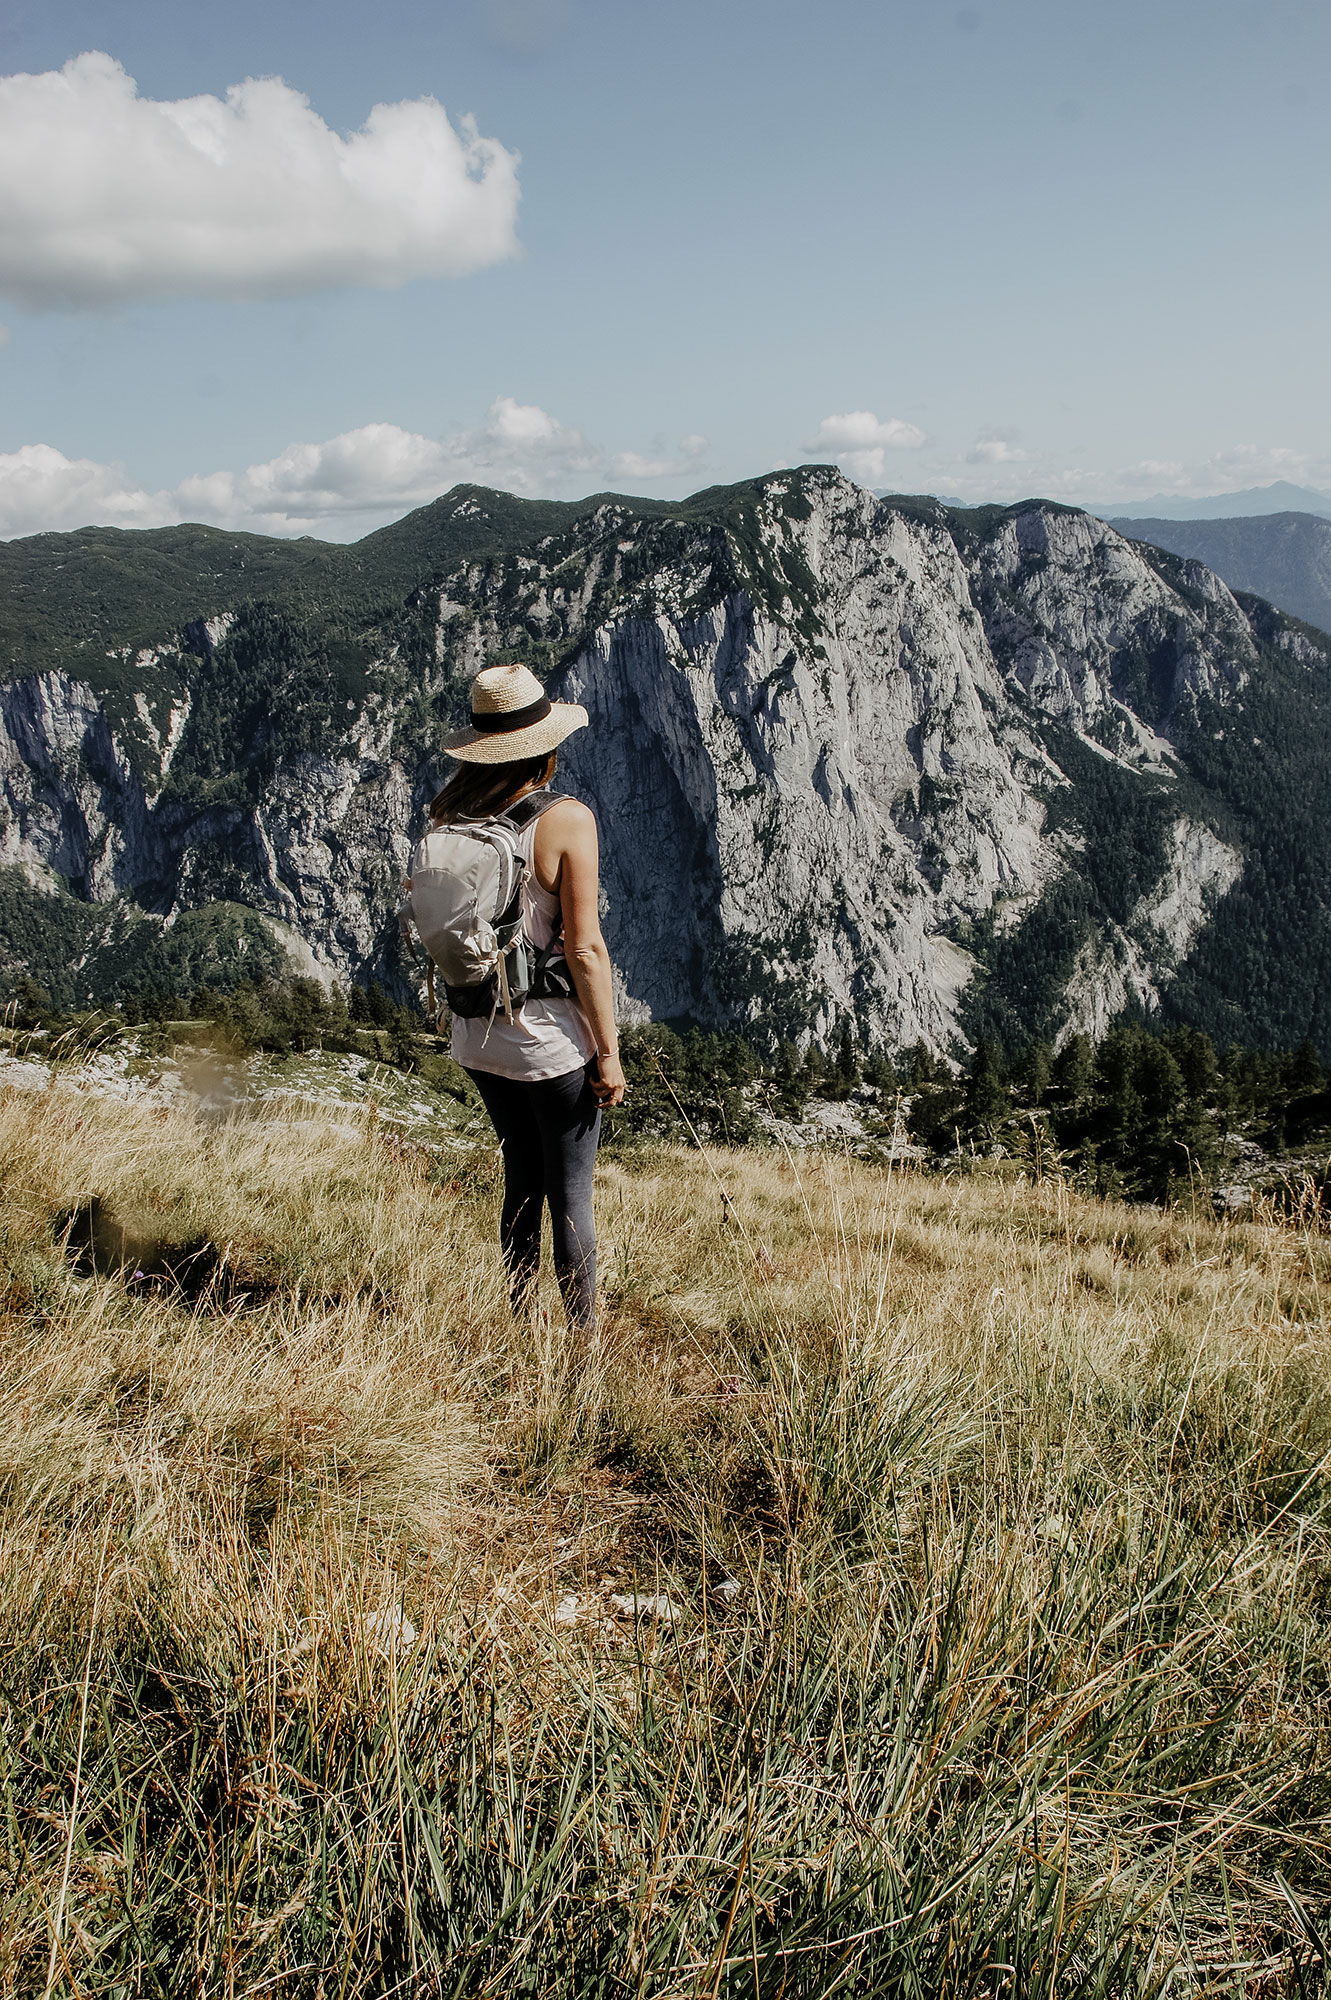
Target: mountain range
<point>935,770</point>
<point>1281,496</point>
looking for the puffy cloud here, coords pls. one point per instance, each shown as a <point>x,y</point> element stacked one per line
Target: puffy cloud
<point>859,442</point>
<point>523,435</point>
<point>348,484</point>
<point>860,430</point>
<point>378,471</point>
<point>106,196</point>
<point>41,489</point>
<point>362,472</point>
<point>995,448</point>
<point>340,488</point>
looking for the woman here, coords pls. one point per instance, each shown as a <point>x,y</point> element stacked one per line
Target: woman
<point>545,1075</point>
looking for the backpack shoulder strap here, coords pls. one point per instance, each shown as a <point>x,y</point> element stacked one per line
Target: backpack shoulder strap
<point>530,806</point>
<point>521,814</point>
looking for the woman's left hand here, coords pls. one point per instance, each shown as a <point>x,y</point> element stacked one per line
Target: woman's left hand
<point>608,1082</point>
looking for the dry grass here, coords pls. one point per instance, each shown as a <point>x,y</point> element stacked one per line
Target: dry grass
<point>1024,1688</point>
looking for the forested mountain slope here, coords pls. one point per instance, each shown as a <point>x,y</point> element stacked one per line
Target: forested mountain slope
<point>938,770</point>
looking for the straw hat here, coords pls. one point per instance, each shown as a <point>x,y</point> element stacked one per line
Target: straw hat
<point>512,717</point>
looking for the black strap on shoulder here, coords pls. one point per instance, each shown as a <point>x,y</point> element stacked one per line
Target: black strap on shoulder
<point>529,807</point>
<point>521,813</point>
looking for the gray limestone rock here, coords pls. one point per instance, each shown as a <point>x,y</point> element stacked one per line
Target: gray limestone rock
<point>824,747</point>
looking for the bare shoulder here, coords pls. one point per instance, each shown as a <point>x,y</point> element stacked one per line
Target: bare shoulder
<point>568,823</point>
<point>569,813</point>
<point>566,831</point>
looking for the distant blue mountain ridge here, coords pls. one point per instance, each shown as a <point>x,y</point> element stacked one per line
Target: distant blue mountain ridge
<point>1280,497</point>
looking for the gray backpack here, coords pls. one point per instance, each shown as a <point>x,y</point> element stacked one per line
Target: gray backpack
<point>465,901</point>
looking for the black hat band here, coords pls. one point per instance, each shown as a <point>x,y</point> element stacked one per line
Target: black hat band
<point>513,718</point>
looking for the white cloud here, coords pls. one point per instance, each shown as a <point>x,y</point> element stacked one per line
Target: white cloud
<point>380,470</point>
<point>41,489</point>
<point>994,448</point>
<point>340,488</point>
<point>351,483</point>
<point>859,441</point>
<point>108,197</point>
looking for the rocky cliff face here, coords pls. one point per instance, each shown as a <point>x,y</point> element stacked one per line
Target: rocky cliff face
<point>1285,558</point>
<point>817,773</point>
<point>849,756</point>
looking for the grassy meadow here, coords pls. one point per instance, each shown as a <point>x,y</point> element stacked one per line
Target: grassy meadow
<point>918,1586</point>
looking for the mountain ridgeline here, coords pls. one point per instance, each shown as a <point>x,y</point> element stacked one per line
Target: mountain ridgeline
<point>939,772</point>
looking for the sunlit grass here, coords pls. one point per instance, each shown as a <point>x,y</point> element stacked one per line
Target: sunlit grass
<point>996,1522</point>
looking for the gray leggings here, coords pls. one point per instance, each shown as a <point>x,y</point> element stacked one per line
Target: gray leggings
<point>548,1134</point>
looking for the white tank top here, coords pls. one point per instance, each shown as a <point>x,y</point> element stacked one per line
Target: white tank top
<point>545,1038</point>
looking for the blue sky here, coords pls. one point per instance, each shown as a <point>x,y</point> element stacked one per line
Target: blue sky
<point>991,248</point>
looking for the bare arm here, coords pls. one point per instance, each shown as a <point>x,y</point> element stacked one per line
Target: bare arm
<point>567,864</point>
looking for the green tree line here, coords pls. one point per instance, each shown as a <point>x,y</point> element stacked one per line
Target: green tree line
<point>1146,1113</point>
<point>1142,1113</point>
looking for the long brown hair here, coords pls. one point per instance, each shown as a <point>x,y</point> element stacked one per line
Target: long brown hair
<point>475,791</point>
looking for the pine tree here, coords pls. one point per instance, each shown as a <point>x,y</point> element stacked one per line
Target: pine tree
<point>32,1001</point>
<point>920,1066</point>
<point>880,1071</point>
<point>789,1088</point>
<point>986,1102</point>
<point>1033,1074</point>
<point>1195,1055</point>
<point>1304,1074</point>
<point>1073,1068</point>
<point>846,1070</point>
